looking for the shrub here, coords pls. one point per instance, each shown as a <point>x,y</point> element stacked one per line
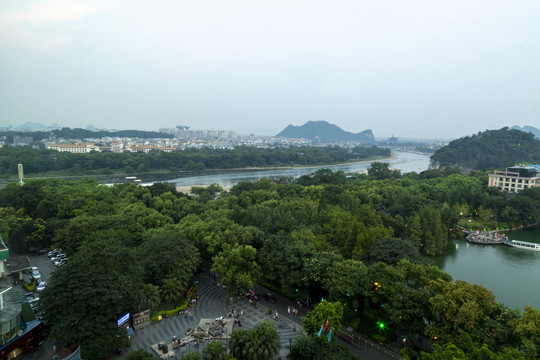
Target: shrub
<point>166,313</point>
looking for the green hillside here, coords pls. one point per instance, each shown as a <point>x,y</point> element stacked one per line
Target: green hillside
<point>489,149</point>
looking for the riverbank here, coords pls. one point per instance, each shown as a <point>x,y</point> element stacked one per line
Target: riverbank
<point>180,173</point>
<point>187,189</point>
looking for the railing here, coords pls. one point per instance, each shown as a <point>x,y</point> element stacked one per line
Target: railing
<point>367,345</point>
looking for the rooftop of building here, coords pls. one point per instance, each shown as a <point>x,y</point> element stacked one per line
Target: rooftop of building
<point>12,303</point>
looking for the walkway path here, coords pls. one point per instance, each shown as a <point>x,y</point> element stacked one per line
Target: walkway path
<point>212,303</point>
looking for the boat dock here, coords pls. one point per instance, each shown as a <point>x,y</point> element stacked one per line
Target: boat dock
<point>486,238</point>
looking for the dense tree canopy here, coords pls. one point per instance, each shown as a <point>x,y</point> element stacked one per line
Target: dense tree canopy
<point>489,149</point>
<point>360,243</point>
<point>51,161</point>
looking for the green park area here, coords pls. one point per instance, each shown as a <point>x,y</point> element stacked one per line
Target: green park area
<point>358,247</point>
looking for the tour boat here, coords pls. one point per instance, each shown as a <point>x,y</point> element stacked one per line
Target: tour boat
<point>523,245</point>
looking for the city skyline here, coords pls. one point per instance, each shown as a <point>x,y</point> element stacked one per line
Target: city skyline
<point>413,70</point>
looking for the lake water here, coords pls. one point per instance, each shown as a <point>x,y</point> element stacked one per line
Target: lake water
<point>511,274</point>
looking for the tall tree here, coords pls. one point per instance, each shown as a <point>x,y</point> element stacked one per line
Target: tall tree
<point>325,315</point>
<point>236,267</point>
<point>85,296</point>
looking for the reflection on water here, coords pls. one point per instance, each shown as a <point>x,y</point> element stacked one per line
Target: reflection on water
<point>510,273</point>
<point>404,161</point>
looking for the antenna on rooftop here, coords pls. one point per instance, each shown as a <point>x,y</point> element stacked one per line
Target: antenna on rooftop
<point>21,174</point>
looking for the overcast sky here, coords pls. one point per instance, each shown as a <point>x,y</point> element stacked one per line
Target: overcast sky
<point>431,69</point>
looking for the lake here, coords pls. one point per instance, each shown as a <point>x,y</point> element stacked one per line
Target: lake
<point>510,273</point>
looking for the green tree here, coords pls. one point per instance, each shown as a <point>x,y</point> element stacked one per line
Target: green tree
<point>263,342</point>
<point>528,330</point>
<point>236,267</point>
<point>345,280</point>
<point>381,171</point>
<point>303,348</point>
<point>215,350</point>
<point>140,354</point>
<point>461,305</point>
<point>324,314</point>
<point>148,297</point>
<point>192,355</point>
<point>104,279</point>
<point>168,254</point>
<point>391,251</point>
<point>238,342</point>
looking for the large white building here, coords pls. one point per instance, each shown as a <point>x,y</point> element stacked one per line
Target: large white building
<point>148,148</point>
<point>74,148</point>
<point>516,178</point>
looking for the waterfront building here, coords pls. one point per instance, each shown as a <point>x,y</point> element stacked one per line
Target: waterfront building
<point>516,178</point>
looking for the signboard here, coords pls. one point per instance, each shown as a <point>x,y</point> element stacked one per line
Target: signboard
<point>123,319</point>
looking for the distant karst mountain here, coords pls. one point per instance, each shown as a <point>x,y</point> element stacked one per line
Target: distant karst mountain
<point>324,132</point>
<point>531,129</point>
<point>491,149</point>
<point>30,126</point>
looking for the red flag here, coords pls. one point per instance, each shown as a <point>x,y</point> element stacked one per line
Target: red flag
<point>325,325</point>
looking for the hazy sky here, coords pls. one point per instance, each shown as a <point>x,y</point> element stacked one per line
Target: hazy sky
<point>407,68</point>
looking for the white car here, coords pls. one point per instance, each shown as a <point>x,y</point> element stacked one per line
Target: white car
<point>41,286</point>
<point>58,262</point>
<point>58,257</point>
<point>36,275</point>
<point>33,268</point>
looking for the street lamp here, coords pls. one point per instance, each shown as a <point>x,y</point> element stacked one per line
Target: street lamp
<point>290,343</point>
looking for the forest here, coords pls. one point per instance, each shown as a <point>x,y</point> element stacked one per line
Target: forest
<point>64,163</point>
<point>362,242</point>
<point>77,133</point>
<point>491,149</point>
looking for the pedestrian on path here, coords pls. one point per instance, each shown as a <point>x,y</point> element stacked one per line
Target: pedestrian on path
<point>289,310</point>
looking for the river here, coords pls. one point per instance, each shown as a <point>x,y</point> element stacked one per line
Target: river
<point>404,161</point>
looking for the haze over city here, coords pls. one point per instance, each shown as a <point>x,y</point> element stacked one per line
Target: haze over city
<point>411,69</point>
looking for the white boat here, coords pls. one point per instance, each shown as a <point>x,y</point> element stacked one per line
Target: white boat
<point>523,245</point>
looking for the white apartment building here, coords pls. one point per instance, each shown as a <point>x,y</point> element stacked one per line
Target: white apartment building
<point>148,148</point>
<point>74,148</point>
<point>516,178</point>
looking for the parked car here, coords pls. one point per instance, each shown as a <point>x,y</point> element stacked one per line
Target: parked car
<point>54,252</point>
<point>36,275</point>
<point>33,268</point>
<point>33,302</point>
<point>58,257</point>
<point>29,295</point>
<point>41,286</point>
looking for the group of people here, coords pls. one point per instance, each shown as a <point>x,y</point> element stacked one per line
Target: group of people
<point>236,315</point>
<point>486,237</point>
<point>291,310</point>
